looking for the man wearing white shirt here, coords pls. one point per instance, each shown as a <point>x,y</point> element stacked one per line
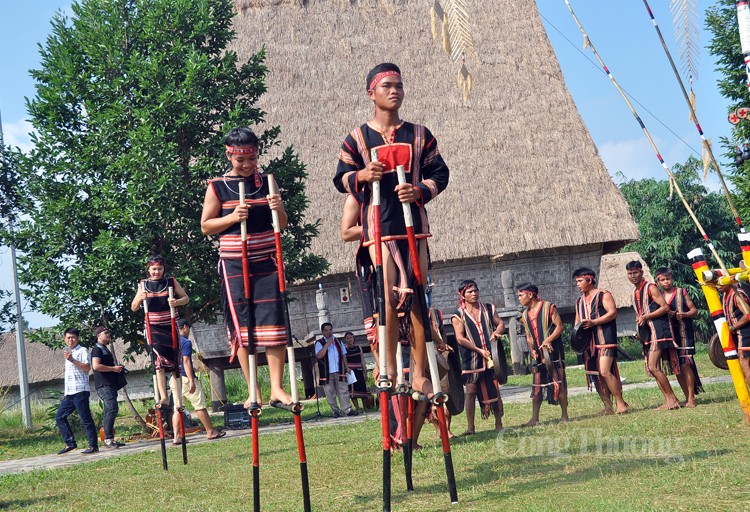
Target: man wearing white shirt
<point>77,392</point>
<point>332,366</point>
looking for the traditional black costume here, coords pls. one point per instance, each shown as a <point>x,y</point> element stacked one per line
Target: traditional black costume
<point>160,322</point>
<point>266,306</point>
<point>656,333</point>
<point>539,325</point>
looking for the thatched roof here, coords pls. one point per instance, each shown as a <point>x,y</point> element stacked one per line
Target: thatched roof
<point>44,364</point>
<point>612,276</point>
<point>520,156</point>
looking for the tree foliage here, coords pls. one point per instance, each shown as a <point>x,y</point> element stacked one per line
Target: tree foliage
<point>133,98</point>
<point>721,21</point>
<point>8,178</point>
<point>668,233</point>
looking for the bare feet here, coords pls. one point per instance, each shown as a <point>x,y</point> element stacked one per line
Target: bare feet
<point>690,404</point>
<point>607,411</point>
<point>669,406</point>
<point>423,385</point>
<point>622,408</point>
<point>531,423</point>
<point>564,419</point>
<point>281,397</point>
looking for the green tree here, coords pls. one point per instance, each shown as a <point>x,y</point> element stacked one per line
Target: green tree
<point>133,98</point>
<point>8,177</point>
<point>721,21</point>
<point>668,233</point>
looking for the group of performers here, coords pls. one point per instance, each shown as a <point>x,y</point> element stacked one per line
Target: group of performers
<point>256,317</point>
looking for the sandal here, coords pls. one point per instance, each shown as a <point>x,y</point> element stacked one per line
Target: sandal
<point>219,434</point>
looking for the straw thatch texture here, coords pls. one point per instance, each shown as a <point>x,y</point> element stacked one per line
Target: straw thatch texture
<point>521,158</point>
<point>613,277</point>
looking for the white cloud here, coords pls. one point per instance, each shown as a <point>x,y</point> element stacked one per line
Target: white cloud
<point>636,160</point>
<point>16,134</point>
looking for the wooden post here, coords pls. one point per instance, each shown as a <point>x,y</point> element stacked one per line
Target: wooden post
<point>516,342</point>
<point>218,387</point>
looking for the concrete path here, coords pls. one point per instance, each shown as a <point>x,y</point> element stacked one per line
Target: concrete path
<point>510,394</point>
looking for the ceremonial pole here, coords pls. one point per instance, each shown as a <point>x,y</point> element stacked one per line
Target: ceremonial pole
<point>438,396</point>
<point>672,180</point>
<point>176,375</point>
<point>694,117</point>
<point>713,300</point>
<point>157,397</point>
<point>383,383</point>
<point>743,22</point>
<point>274,190</point>
<point>252,364</point>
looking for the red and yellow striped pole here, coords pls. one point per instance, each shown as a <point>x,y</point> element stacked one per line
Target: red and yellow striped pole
<point>717,315</point>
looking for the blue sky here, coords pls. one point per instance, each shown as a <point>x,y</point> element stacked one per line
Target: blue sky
<point>621,32</point>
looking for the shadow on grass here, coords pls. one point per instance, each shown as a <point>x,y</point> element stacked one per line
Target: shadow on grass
<point>21,504</point>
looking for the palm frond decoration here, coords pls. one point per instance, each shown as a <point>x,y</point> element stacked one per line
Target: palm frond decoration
<point>686,34</point>
<point>457,40</point>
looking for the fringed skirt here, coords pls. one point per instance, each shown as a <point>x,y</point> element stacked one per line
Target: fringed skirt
<point>487,390</point>
<point>548,387</point>
<point>161,344</point>
<point>266,312</point>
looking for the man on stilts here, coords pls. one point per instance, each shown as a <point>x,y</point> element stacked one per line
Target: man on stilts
<point>397,142</point>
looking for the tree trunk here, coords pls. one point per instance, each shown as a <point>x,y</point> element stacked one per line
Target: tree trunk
<point>133,411</point>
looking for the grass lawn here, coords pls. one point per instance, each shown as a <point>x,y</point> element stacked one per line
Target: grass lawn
<point>690,459</point>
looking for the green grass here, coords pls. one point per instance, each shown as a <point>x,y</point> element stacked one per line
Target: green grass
<point>690,459</point>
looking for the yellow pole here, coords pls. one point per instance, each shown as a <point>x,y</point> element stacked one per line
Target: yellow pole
<point>720,322</point>
<point>745,246</point>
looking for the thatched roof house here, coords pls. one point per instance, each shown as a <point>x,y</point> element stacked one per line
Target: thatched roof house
<point>528,189</point>
<point>612,277</point>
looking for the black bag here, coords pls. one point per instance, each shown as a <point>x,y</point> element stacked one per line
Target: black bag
<point>121,380</point>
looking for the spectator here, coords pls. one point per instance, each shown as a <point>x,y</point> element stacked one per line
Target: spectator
<point>190,389</point>
<point>332,365</point>
<point>105,380</point>
<point>77,392</point>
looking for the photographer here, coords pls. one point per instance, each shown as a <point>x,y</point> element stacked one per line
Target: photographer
<point>106,377</point>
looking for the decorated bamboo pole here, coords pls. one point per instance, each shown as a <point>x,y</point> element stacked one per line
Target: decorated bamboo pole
<point>157,398</point>
<point>252,365</point>
<point>694,117</point>
<point>672,180</point>
<point>383,383</point>
<point>273,190</point>
<point>743,22</point>
<point>717,314</point>
<point>178,405</point>
<point>438,396</point>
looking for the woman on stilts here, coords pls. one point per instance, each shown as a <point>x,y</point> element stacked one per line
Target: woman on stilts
<point>223,215</point>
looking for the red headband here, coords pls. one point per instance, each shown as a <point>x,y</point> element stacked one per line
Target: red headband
<point>247,150</point>
<point>380,76</point>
